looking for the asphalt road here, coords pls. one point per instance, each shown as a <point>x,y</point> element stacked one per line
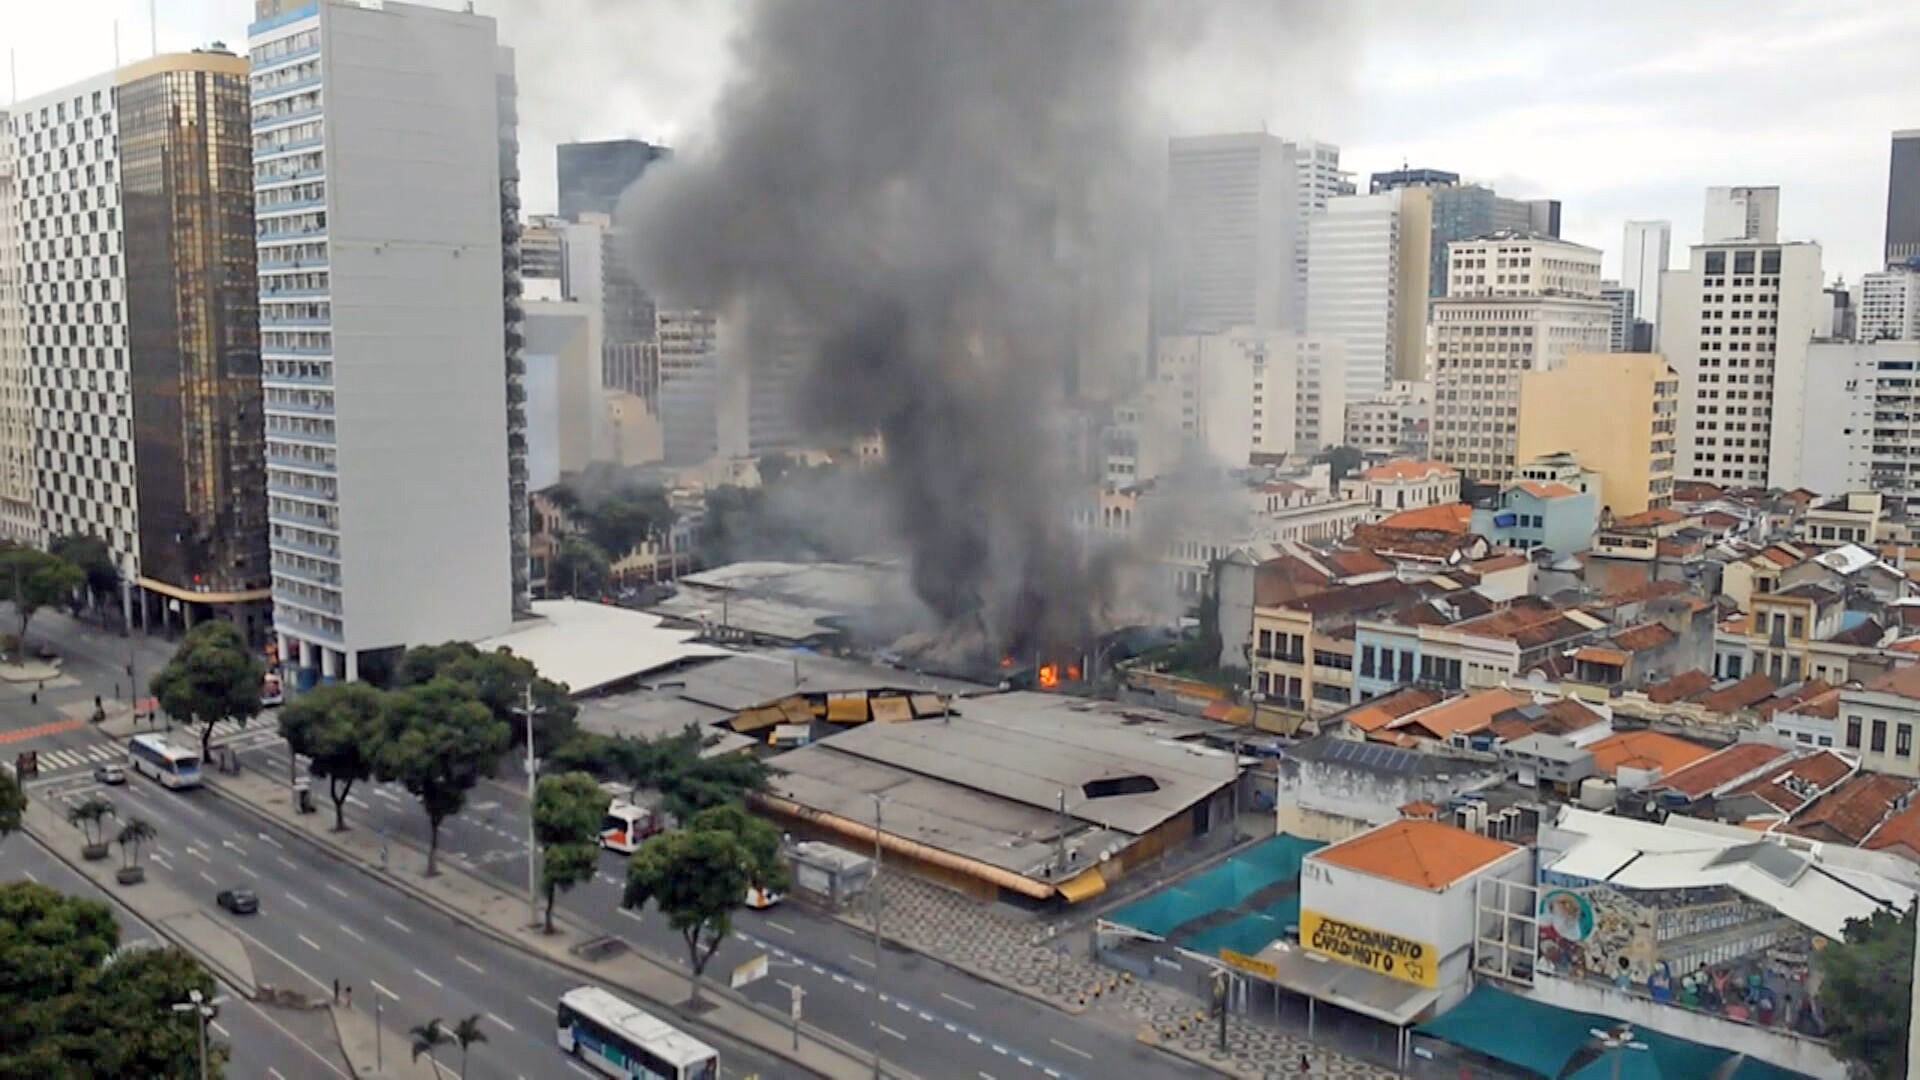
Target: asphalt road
<point>932,1019</point>
<point>265,1043</point>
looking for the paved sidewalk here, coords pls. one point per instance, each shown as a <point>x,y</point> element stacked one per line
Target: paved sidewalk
<point>1011,951</point>
<point>504,916</point>
<point>383,1054</point>
<point>178,917</point>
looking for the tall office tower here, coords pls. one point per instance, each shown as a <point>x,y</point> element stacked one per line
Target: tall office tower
<point>1889,307</point>
<point>1644,254</point>
<point>1515,302</point>
<point>1366,285</point>
<point>1735,326</point>
<point>1620,319</point>
<point>593,175</point>
<point>1742,213</point>
<point>689,379</point>
<point>506,90</point>
<point>543,258</point>
<point>1464,211</point>
<point>388,298</point>
<point>1866,411</point>
<point>1318,179</point>
<point>1903,198</point>
<point>19,521</point>
<point>1233,214</point>
<point>142,330</point>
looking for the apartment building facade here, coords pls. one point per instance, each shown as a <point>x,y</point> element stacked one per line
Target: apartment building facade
<point>1616,414</point>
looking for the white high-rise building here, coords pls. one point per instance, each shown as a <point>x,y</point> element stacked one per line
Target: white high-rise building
<point>1233,205</point>
<point>1644,255</point>
<point>1318,180</point>
<point>1515,302</point>
<point>1366,284</point>
<point>1742,213</point>
<point>1239,397</point>
<point>1735,326</point>
<point>1866,408</point>
<point>19,523</point>
<point>1620,300</point>
<point>380,144</point>
<point>1889,308</point>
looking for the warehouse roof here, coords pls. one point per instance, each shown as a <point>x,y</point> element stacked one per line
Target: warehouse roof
<point>588,646</point>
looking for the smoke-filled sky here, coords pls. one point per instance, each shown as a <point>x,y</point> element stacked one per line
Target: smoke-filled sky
<point>1623,108</point>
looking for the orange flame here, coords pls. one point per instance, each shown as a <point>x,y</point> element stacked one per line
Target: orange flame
<point>1049,676</point>
<point>1006,661</point>
<point>1073,672</point>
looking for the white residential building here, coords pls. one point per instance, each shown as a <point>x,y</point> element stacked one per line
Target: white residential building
<point>1367,284</point>
<point>1394,421</point>
<point>1233,209</point>
<point>1404,484</point>
<point>1238,396</point>
<point>1620,302</point>
<point>568,416</point>
<point>1742,213</point>
<point>19,522</point>
<point>1889,308</point>
<point>689,377</point>
<point>1644,256</point>
<point>390,478</point>
<point>1515,302</point>
<point>1864,408</point>
<point>1735,326</point>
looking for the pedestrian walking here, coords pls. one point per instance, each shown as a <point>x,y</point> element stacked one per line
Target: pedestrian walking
<point>1305,1065</point>
<point>349,998</point>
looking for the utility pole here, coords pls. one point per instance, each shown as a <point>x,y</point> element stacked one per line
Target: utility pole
<point>202,1010</point>
<point>533,850</point>
<point>379,1064</point>
<point>873,903</point>
<point>1060,840</point>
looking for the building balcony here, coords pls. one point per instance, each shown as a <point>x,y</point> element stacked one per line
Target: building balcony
<point>271,379</point>
<point>259,96</point>
<point>301,521</point>
<point>285,236</point>
<point>295,322</point>
<point>280,461</point>
<point>307,494</point>
<point>269,295</point>
<point>299,548</point>
<point>263,153</point>
<point>328,605</point>
<point>295,56</point>
<point>296,623</point>
<point>282,120</point>
<point>269,261</point>
<point>268,183</point>
<point>294,206</point>
<point>291,350</point>
<point>310,577</point>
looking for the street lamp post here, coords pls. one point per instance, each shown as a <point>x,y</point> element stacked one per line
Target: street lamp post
<point>873,903</point>
<point>203,1010</point>
<point>533,851</point>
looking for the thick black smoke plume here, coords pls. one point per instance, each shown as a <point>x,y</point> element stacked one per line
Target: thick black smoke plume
<point>946,193</point>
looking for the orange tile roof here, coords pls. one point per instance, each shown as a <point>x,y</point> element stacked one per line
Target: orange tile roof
<point>1420,808</point>
<point>1546,489</point>
<point>1721,768</point>
<point>1644,637</point>
<point>1462,715</point>
<point>1718,519</point>
<point>1900,831</point>
<point>1811,690</point>
<point>1819,770</point>
<point>1780,556</point>
<point>1499,562</point>
<point>1447,517</point>
<point>1901,682</point>
<point>1407,469</point>
<point>1735,625</point>
<point>1645,590</point>
<point>1384,710</point>
<point>1850,812</point>
<point>1354,563</point>
<point>1594,654</point>
<point>1746,693</point>
<point>1694,491</point>
<point>1645,750</point>
<point>1906,645</point>
<point>1424,854</point>
<point>1277,581</point>
<point>1685,685</point>
<point>1659,515</point>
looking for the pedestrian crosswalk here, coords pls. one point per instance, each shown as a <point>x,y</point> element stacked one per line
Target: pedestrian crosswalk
<point>80,757</point>
<point>257,733</point>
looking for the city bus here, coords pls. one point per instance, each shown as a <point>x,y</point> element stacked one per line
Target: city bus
<point>271,692</point>
<point>626,826</point>
<point>151,755</point>
<point>622,1040</point>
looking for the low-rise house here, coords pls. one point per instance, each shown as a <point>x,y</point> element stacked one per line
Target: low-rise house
<point>1425,548</point>
<point>1303,657</point>
<point>1779,793</point>
<point>1857,517</point>
<point>1532,514</point>
<point>1332,788</point>
<point>1692,788</point>
<point>1404,484</point>
<point>1639,759</point>
<point>1877,720</point>
<point>1851,812</point>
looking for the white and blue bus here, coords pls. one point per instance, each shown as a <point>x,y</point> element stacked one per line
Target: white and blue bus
<point>621,1040</point>
<point>151,755</point>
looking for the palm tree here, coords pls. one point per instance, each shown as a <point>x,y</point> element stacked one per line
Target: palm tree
<point>134,833</point>
<point>466,1033</point>
<point>91,816</point>
<point>428,1037</point>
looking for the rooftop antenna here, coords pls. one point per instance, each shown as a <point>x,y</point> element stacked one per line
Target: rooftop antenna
<point>153,27</point>
<point>116,44</point>
<point>13,79</point>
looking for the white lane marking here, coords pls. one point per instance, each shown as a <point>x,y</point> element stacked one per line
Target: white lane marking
<point>396,924</point>
<point>470,965</point>
<point>31,876</point>
<point>163,862</point>
<point>975,1039</point>
<point>352,933</point>
<point>163,850</point>
<point>273,1072</point>
<point>196,854</point>
<point>499,1021</point>
<point>297,900</point>
<point>286,862</point>
<point>270,951</point>
<point>1071,1049</point>
<point>957,1001</point>
<point>779,927</point>
<point>891,1032</point>
<point>998,1049</point>
<point>322,1058</point>
<point>339,892</point>
<point>249,871</point>
<point>925,1016</point>
<point>235,848</point>
<point>951,1028</point>
<point>218,1030</point>
<point>582,1070</point>
<point>861,960</point>
<point>272,841</point>
<point>538,1004</point>
<point>631,914</point>
<point>384,990</point>
<point>986,1076</point>
<point>430,978</point>
<point>354,800</point>
<point>311,944</point>
<point>209,878</point>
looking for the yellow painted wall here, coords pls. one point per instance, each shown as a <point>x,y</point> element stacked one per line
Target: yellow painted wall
<point>1600,408</point>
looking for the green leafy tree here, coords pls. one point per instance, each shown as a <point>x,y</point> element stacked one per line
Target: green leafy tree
<point>213,676</point>
<point>698,880</point>
<point>1342,462</point>
<point>567,811</point>
<point>90,817</point>
<point>499,681</point>
<point>623,520</point>
<point>338,727</point>
<point>33,580</point>
<point>132,835</point>
<point>71,1007</point>
<point>13,803</point>
<point>439,741</point>
<point>759,842</point>
<point>91,555</point>
<point>672,765</point>
<point>579,566</point>
<point>1866,993</point>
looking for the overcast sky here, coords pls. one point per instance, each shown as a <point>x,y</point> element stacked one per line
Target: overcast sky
<point>1624,109</point>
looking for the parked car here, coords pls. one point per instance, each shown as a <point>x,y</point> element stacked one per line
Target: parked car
<point>239,901</point>
<point>111,775</point>
<point>762,899</point>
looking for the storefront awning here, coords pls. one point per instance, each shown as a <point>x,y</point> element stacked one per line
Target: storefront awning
<point>1513,1029</point>
<point>1344,986</point>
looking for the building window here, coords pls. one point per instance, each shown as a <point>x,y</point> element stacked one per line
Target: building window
<point>1366,661</point>
<point>1853,732</point>
<point>1903,740</point>
<point>1879,744</point>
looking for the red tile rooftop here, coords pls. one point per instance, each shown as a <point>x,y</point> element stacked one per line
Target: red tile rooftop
<point>1546,490</point>
<point>1645,750</point>
<point>1900,682</point>
<point>1720,768</point>
<point>1746,693</point>
<point>1447,517</point>
<point>1407,469</point>
<point>1644,637</point>
<point>1811,775</point>
<point>1685,685</point>
<point>1851,812</point>
<point>1660,515</point>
